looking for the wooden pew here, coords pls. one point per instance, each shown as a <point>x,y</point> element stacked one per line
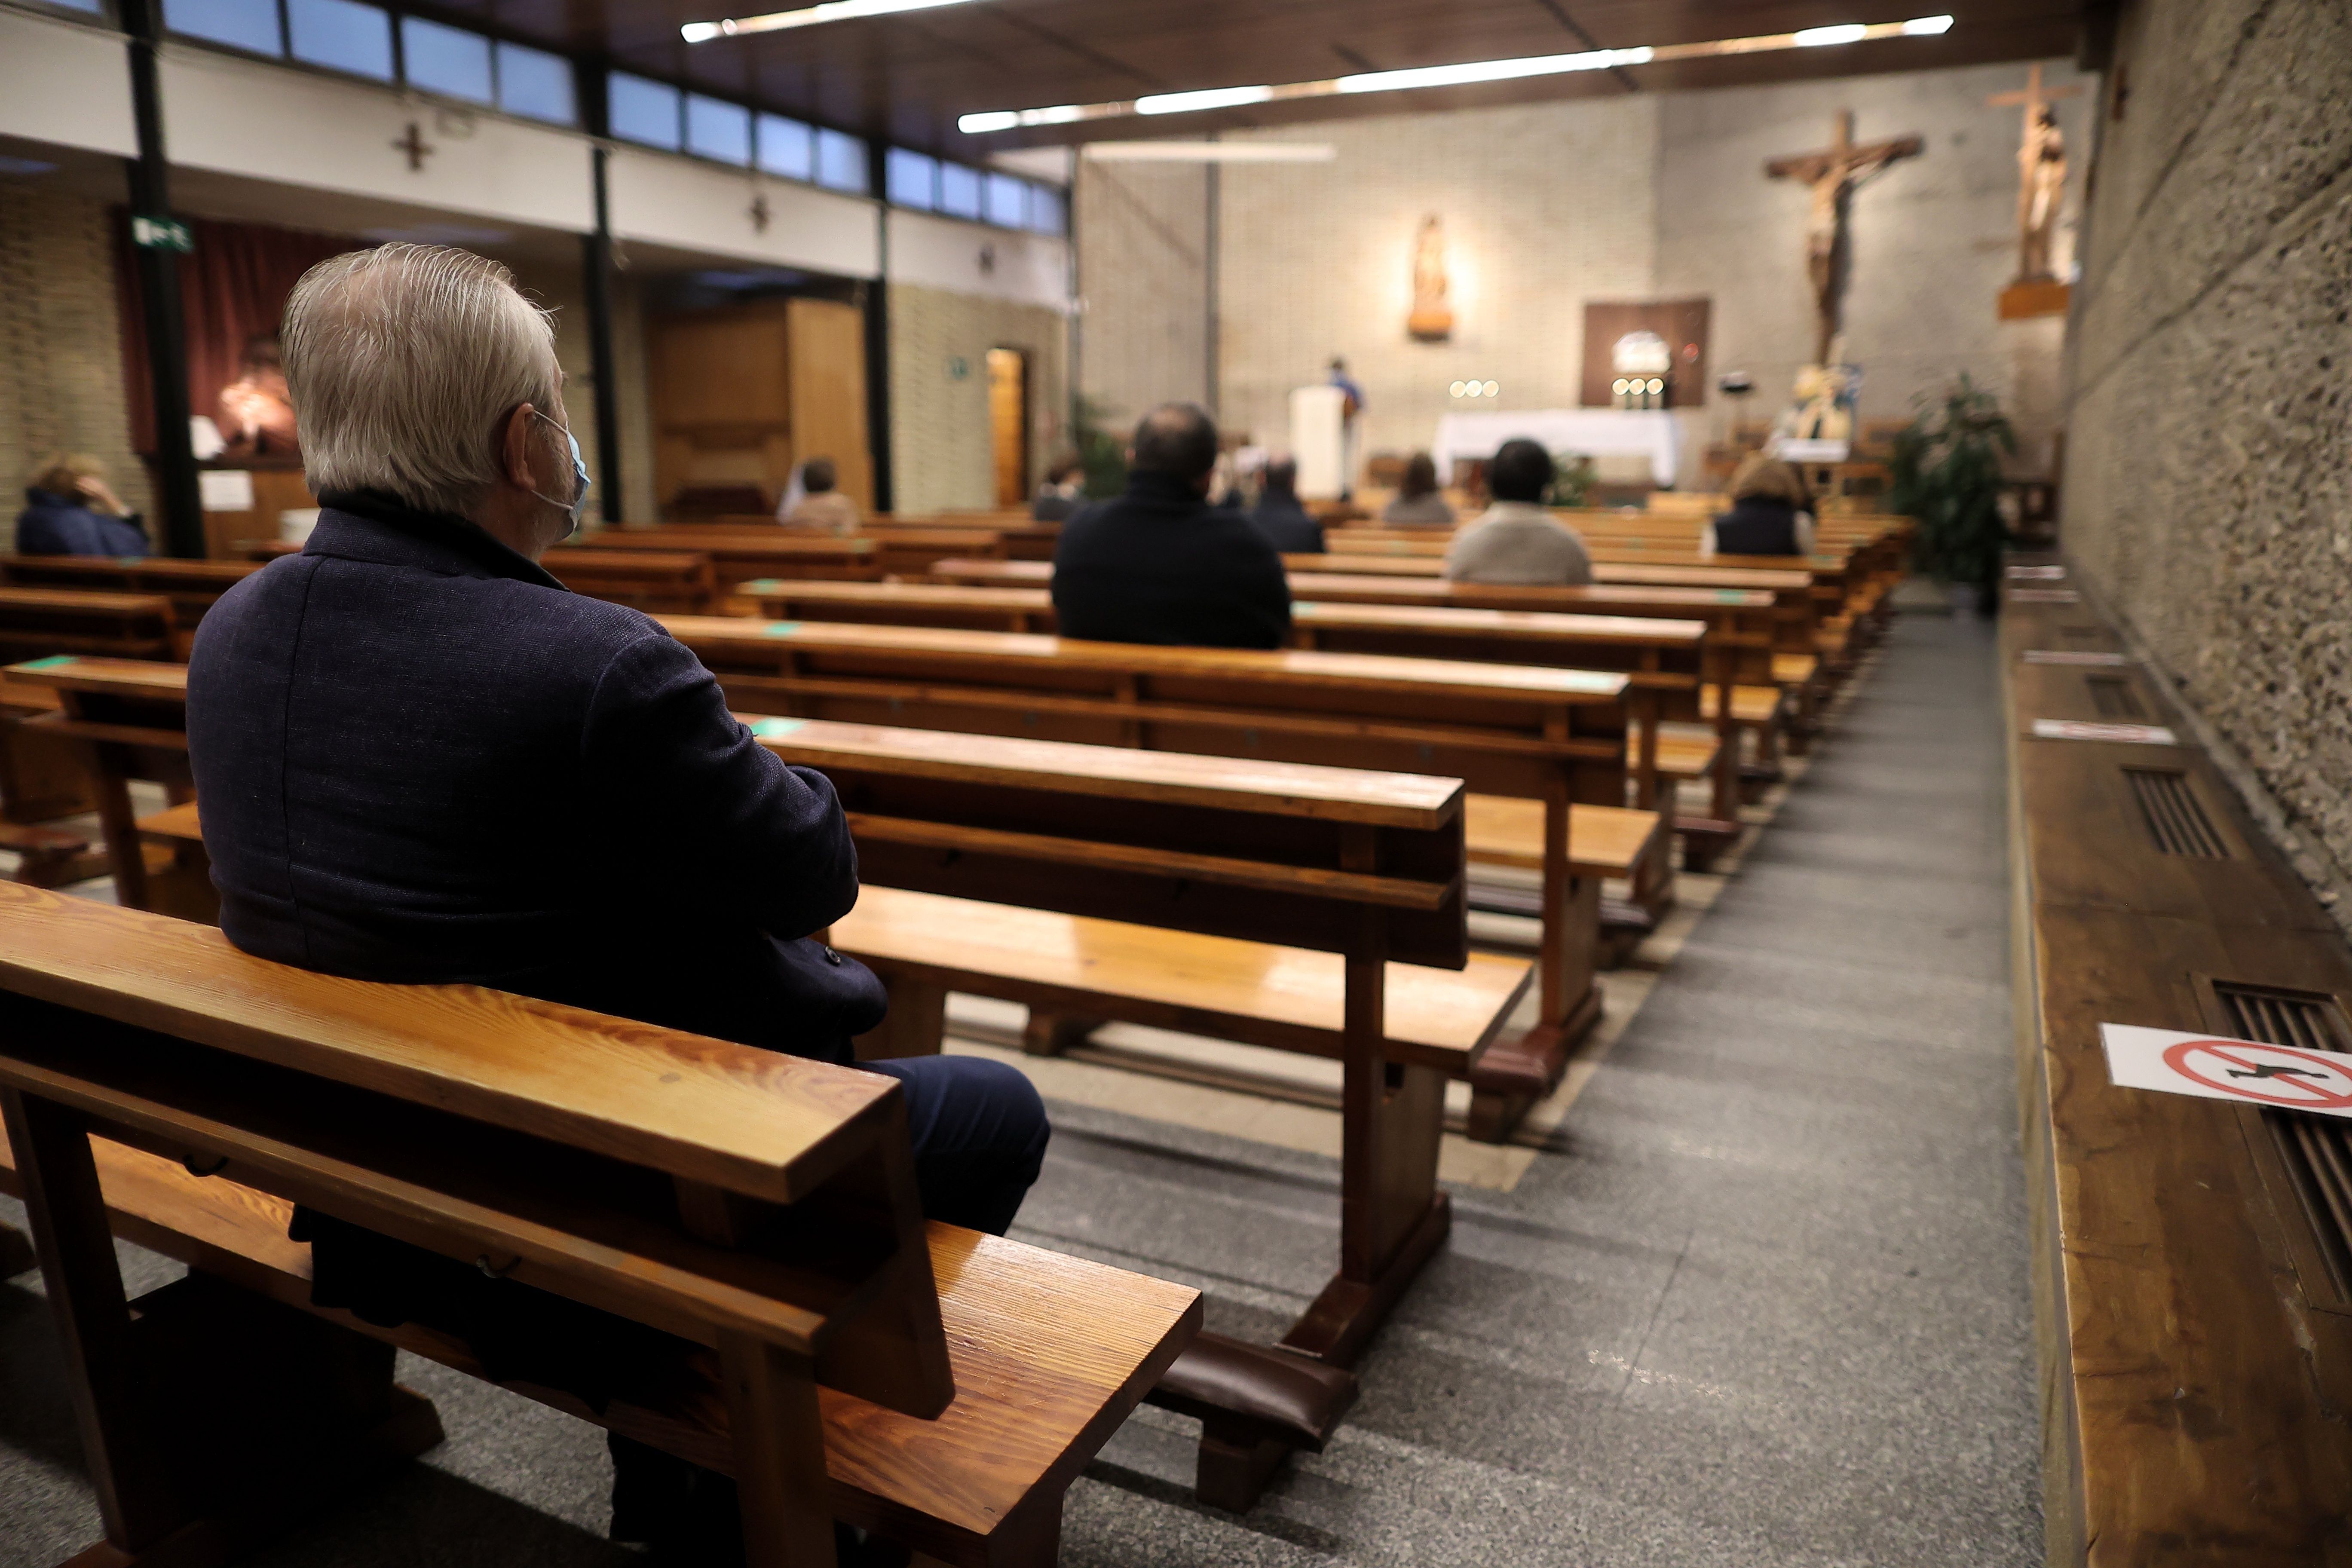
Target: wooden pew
<point>902,546</point>
<point>1611,843</point>
<point>1303,909</point>
<point>191,586</point>
<point>1555,735</point>
<point>735,560</point>
<point>658,582</point>
<point>2193,1281</point>
<point>37,622</point>
<point>841,1359</point>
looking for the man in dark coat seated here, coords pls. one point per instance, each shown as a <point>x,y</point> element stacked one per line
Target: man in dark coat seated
<point>418,752</point>
<point>1158,564</point>
<point>1279,516</point>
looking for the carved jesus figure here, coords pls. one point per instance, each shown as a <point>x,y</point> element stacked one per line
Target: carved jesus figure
<point>2041,168</point>
<point>1433,318</point>
<point>1833,173</point>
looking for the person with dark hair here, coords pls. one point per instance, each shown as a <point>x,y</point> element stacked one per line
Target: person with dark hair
<point>1515,540</point>
<point>69,510</point>
<point>1064,492</point>
<point>1418,502</point>
<point>823,506</point>
<point>1770,512</point>
<point>1159,564</point>
<point>1280,518</point>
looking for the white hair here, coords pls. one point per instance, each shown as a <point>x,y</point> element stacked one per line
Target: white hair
<point>402,361</point>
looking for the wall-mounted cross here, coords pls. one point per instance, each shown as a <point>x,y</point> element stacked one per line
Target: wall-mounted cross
<point>414,144</point>
<point>758,213</point>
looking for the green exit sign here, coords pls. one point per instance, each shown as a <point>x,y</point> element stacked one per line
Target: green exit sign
<point>160,234</point>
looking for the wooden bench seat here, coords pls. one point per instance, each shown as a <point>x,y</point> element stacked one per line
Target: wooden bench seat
<point>757,1206</point>
<point>1256,993</point>
<point>1047,1352</point>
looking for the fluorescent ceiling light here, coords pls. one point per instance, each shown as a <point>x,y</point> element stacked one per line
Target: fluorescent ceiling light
<point>1492,70</point>
<point>1208,97</point>
<point>809,16</point>
<point>1468,73</point>
<point>1211,151</point>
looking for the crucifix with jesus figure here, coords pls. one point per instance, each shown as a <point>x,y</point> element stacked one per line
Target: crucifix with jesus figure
<point>1833,173</point>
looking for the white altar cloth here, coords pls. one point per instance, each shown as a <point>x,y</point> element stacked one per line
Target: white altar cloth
<point>1651,432</point>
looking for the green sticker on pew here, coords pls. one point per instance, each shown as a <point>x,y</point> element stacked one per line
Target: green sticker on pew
<point>761,586</point>
<point>775,728</point>
<point>51,662</point>
<point>1731,595</point>
<point>781,628</point>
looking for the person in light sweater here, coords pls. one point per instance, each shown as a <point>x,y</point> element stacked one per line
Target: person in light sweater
<point>1514,541</point>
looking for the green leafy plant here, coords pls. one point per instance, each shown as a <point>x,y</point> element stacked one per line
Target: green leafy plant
<point>1100,449</point>
<point>1947,472</point>
<point>1573,479</point>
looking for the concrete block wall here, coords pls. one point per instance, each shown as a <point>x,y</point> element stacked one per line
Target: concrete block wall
<point>1545,206</point>
<point>61,385</point>
<point>941,455</point>
<point>2208,473</point>
<point>1550,206</point>
<point>1143,285</point>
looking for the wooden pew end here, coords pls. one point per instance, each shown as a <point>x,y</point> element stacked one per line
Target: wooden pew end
<point>1520,1069</point>
<point>1257,1405</point>
<point>1703,839</point>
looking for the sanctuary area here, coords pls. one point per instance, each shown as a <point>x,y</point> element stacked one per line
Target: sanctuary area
<point>1008,782</point>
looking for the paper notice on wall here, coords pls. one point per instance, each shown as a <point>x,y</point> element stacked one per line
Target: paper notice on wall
<point>2079,730</point>
<point>224,490</point>
<point>2037,574</point>
<point>2216,1067</point>
<point>2068,655</point>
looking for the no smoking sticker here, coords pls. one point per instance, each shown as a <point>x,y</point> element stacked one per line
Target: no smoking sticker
<point>2037,574</point>
<point>2216,1068</point>
<point>2084,729</point>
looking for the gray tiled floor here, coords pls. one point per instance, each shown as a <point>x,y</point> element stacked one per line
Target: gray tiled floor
<point>1769,1308</point>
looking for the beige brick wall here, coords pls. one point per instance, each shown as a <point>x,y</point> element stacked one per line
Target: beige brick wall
<point>60,346</point>
<point>2209,473</point>
<point>940,434</point>
<point>1545,207</point>
<point>1142,244</point>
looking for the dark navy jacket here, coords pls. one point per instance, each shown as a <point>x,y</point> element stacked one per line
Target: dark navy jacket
<point>1159,564</point>
<point>52,524</point>
<point>422,758</point>
<point>1285,524</point>
<point>1756,526</point>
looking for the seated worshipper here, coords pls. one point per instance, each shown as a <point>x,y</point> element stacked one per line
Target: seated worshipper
<point>1419,503</point>
<point>1280,518</point>
<point>1772,512</point>
<point>1064,492</point>
<point>402,737</point>
<point>1515,540</point>
<point>69,510</point>
<point>823,507</point>
<point>1158,564</point>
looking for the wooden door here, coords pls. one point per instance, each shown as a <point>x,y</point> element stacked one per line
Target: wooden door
<point>828,392</point>
<point>1008,422</point>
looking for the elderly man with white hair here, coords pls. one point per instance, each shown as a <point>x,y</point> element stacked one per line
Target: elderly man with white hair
<point>420,757</point>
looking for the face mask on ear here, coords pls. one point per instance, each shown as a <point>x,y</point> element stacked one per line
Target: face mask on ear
<point>579,501</point>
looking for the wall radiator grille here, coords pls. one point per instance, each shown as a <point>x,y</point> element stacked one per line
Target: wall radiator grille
<point>2176,818</point>
<point>2316,1150</point>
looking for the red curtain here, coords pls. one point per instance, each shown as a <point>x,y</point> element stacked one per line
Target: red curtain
<point>233,286</point>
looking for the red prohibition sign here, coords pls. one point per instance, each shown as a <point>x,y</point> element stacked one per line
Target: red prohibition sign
<point>2227,1065</point>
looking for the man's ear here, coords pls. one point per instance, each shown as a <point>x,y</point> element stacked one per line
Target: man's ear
<point>514,449</point>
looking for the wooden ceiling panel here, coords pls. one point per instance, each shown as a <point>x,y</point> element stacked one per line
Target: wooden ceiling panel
<point>907,78</point>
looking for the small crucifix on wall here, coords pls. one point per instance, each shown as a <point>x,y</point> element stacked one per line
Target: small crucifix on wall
<point>1834,173</point>
<point>759,213</point>
<point>414,144</point>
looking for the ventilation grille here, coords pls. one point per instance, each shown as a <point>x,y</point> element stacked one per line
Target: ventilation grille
<point>2176,818</point>
<point>2082,634</point>
<point>2114,698</point>
<point>2315,1149</point>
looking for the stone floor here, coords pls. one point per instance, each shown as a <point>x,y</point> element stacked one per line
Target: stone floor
<point>1759,1299</point>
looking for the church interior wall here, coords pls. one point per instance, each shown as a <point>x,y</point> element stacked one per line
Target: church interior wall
<point>61,385</point>
<point>2209,477</point>
<point>1143,285</point>
<point>1545,206</point>
<point>941,451</point>
<point>560,288</point>
<point>1934,242</point>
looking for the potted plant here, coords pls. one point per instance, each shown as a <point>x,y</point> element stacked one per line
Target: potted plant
<point>1100,450</point>
<point>1947,472</point>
